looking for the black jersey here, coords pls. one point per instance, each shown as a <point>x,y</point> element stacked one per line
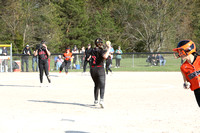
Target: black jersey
<point>42,54</point>
<point>97,57</point>
<point>87,52</point>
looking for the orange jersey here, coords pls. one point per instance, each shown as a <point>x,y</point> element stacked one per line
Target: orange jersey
<point>192,73</point>
<point>67,56</point>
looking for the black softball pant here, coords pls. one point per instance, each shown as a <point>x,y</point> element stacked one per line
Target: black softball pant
<point>197,95</point>
<point>108,63</point>
<point>43,67</point>
<point>66,65</point>
<point>98,76</point>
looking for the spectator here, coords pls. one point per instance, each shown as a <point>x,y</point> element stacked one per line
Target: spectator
<point>25,57</point>
<point>4,51</point>
<point>59,62</point>
<point>5,61</point>
<point>161,59</point>
<point>152,60</point>
<point>86,55</point>
<point>82,51</point>
<point>34,60</point>
<point>75,52</point>
<point>118,57</point>
<point>108,59</point>
<point>111,54</point>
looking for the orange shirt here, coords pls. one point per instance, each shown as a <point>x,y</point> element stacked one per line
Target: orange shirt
<point>67,56</point>
<point>192,73</point>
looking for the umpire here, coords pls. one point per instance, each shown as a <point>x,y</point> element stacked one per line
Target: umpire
<point>98,55</point>
<point>43,54</point>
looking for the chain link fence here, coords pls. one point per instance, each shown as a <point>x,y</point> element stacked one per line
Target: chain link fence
<point>129,62</point>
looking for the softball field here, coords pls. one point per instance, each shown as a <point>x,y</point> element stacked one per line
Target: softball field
<point>135,102</point>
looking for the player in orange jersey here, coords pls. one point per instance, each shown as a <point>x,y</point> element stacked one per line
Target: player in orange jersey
<point>67,61</point>
<point>190,69</point>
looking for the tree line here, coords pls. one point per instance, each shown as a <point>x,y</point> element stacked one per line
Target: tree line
<point>135,25</point>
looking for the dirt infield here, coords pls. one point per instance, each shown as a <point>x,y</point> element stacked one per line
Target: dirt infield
<point>135,102</point>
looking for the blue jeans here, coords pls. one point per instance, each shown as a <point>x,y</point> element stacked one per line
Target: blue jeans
<point>162,62</point>
<point>35,60</point>
<point>58,64</point>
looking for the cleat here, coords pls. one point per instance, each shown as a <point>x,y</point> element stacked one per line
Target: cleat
<point>95,102</point>
<point>101,103</point>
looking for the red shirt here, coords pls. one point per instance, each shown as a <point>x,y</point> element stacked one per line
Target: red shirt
<point>192,73</point>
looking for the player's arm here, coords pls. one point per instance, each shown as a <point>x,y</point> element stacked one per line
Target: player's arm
<point>88,58</point>
<point>35,52</point>
<point>48,52</point>
<point>186,84</point>
<point>184,78</point>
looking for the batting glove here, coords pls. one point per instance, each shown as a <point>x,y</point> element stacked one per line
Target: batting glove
<point>186,85</point>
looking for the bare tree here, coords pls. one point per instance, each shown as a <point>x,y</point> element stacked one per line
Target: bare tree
<point>152,22</point>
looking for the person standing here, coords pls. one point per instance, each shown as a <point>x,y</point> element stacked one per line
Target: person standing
<point>82,51</point>
<point>98,55</point>
<point>59,62</point>
<point>111,53</point>
<point>190,69</point>
<point>86,55</point>
<point>5,61</point>
<point>43,55</point>
<point>25,57</point>
<point>109,59</point>
<point>67,61</point>
<point>75,52</point>
<point>118,56</point>
<point>34,60</point>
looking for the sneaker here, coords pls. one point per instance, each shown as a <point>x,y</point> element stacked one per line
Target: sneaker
<point>101,103</point>
<point>95,102</point>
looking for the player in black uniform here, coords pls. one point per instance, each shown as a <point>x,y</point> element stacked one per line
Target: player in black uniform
<point>98,55</point>
<point>43,54</point>
<point>87,51</point>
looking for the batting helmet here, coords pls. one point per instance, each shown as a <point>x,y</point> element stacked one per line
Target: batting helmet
<point>185,47</point>
<point>99,42</point>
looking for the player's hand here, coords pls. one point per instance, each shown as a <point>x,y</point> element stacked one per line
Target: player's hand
<point>186,85</point>
<point>44,45</point>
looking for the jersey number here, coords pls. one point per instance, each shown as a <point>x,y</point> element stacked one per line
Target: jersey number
<point>94,59</point>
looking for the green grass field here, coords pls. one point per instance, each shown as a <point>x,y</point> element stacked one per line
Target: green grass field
<point>128,63</point>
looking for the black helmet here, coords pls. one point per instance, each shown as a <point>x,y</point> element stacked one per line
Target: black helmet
<point>99,42</point>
